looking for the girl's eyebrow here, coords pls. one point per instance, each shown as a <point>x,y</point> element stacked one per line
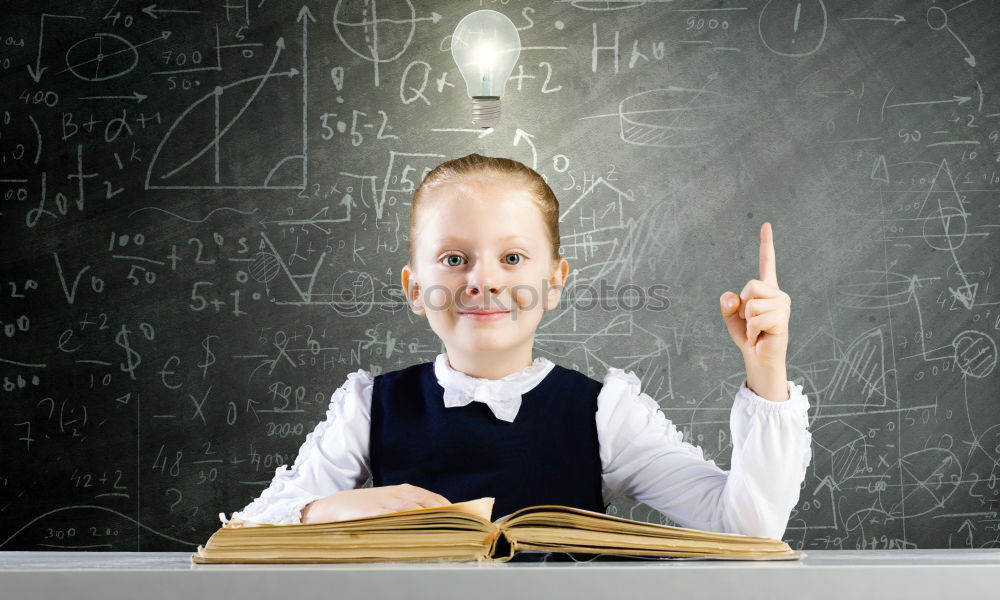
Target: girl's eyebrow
<point>456,239</point>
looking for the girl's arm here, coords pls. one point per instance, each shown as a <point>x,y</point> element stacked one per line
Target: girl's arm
<point>643,456</point>
<point>334,457</point>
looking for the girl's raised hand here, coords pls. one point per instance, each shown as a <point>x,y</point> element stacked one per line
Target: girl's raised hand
<point>368,502</point>
<point>757,320</point>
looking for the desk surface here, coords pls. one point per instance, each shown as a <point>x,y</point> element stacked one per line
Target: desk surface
<point>834,574</point>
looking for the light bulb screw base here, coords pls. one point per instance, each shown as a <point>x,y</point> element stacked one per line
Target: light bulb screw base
<point>485,111</point>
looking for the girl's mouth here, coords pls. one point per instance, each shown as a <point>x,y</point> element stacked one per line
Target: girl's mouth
<point>484,315</point>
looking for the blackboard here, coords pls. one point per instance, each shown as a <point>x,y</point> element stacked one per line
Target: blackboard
<point>204,211</point>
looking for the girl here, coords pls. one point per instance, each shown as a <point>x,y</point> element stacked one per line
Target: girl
<point>484,418</point>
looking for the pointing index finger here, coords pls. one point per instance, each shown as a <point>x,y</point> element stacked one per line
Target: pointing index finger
<point>768,269</point>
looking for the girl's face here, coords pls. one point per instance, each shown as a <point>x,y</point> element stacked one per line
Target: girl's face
<point>483,271</point>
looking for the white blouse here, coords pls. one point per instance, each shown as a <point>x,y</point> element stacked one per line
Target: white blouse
<point>643,455</point>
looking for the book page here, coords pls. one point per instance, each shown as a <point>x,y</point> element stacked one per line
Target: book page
<point>480,507</point>
<point>568,516</point>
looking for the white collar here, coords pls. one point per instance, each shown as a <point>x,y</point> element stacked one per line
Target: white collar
<point>503,395</point>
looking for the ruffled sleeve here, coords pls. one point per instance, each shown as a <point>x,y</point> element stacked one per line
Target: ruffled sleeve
<point>645,457</point>
<point>333,457</point>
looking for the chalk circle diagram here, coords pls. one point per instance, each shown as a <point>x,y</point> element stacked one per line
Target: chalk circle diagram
<point>378,39</point>
<point>792,28</point>
<point>264,267</point>
<point>946,228</point>
<point>362,32</point>
<point>975,353</point>
<point>929,477</point>
<point>194,153</point>
<point>673,117</point>
<point>353,294</point>
<point>102,56</point>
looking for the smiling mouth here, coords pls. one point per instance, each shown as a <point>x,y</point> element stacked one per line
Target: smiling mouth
<point>482,315</point>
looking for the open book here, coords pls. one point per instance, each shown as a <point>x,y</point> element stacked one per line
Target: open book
<point>464,532</point>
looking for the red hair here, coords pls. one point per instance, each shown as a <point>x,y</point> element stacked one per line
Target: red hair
<point>477,164</point>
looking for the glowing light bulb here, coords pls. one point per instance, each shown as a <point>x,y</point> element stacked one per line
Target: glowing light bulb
<point>485,46</point>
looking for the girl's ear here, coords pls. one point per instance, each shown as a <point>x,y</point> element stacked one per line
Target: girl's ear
<point>412,290</point>
<point>556,284</point>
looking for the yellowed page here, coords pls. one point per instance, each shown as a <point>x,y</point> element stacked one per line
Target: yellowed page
<point>480,507</point>
<point>622,542</point>
<point>459,531</point>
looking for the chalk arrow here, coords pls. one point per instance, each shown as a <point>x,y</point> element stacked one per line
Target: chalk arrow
<point>151,10</point>
<point>36,73</point>
<point>133,96</point>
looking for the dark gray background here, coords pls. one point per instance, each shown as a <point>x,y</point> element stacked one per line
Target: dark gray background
<point>204,215</point>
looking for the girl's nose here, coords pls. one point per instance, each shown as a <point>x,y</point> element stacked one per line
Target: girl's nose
<point>475,286</point>
<point>473,290</point>
<point>481,279</point>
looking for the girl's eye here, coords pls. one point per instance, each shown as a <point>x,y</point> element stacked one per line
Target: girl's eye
<point>511,259</point>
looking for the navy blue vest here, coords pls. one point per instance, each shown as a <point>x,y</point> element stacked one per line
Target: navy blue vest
<point>548,455</point>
